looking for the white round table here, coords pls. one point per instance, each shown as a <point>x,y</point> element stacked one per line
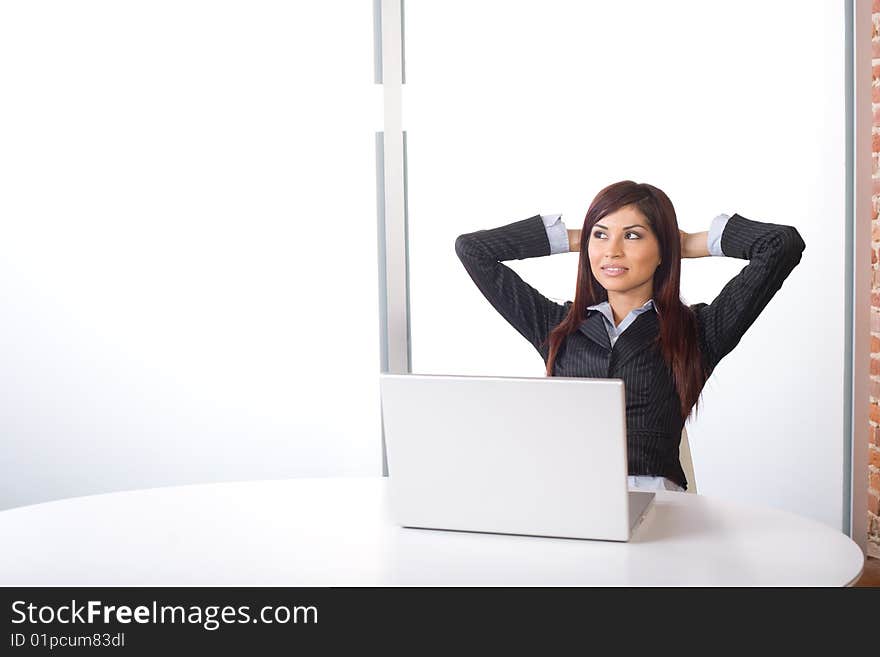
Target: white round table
<point>338,532</point>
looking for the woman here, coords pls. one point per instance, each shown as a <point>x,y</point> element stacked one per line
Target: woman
<point>627,320</point>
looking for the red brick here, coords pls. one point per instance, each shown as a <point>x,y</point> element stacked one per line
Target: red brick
<point>875,279</point>
<point>875,436</point>
<point>873,503</point>
<point>875,7</point>
<point>875,230</point>
<point>874,481</point>
<point>874,413</point>
<point>875,90</point>
<point>875,366</point>
<point>875,302</point>
<point>874,457</point>
<point>875,344</point>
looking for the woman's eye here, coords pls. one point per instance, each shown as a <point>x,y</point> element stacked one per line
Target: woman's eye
<point>599,233</point>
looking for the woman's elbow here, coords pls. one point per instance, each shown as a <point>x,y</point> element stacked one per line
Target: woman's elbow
<point>793,244</point>
<point>464,246</point>
<point>797,240</point>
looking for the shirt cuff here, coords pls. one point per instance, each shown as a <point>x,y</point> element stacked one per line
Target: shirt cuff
<point>557,233</point>
<point>715,232</point>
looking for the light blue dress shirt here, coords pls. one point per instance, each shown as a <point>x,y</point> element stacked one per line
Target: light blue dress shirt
<point>557,234</point>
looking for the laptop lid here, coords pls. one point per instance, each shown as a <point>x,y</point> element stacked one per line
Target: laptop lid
<point>519,455</point>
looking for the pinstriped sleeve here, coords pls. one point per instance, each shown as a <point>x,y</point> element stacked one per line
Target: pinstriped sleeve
<point>773,251</point>
<point>526,309</point>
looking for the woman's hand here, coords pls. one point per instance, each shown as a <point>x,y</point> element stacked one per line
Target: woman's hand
<point>574,239</point>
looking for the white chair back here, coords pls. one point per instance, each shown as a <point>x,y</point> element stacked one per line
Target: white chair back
<point>687,463</point>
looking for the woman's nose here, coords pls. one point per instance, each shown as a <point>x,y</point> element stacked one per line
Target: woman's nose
<point>614,248</point>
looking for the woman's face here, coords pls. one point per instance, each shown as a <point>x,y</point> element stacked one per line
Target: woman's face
<point>624,252</point>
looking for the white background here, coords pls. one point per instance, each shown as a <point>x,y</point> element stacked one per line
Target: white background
<point>172,312</point>
<point>519,108</point>
<point>188,261</point>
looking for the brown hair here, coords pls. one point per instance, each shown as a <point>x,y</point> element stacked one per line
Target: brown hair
<point>678,338</point>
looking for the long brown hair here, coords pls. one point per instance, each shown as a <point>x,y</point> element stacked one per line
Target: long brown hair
<point>678,338</point>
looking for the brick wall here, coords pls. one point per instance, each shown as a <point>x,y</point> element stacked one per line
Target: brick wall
<point>873,474</point>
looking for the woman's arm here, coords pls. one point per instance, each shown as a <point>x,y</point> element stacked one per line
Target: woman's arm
<point>773,251</point>
<point>694,245</point>
<point>574,239</point>
<point>531,313</point>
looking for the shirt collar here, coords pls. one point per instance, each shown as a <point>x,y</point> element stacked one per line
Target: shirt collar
<point>605,309</point>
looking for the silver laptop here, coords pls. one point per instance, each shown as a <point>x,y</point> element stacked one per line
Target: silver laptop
<point>514,455</point>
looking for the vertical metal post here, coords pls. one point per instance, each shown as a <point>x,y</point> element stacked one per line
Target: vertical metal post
<point>391,191</point>
<point>859,212</point>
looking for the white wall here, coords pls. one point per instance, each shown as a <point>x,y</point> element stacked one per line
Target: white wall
<point>160,163</point>
<point>188,284</point>
<point>517,108</point>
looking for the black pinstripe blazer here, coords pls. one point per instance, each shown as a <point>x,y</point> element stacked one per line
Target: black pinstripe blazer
<point>653,419</point>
